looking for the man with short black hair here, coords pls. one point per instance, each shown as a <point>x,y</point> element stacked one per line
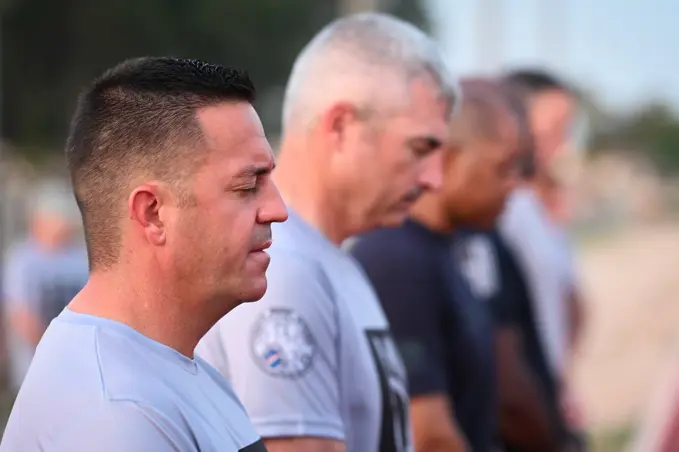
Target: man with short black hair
<point>171,171</point>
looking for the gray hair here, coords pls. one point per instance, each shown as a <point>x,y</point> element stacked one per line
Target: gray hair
<point>356,59</point>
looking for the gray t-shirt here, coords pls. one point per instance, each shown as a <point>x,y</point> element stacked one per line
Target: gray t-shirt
<point>541,251</point>
<point>315,357</point>
<point>98,385</point>
<point>41,282</point>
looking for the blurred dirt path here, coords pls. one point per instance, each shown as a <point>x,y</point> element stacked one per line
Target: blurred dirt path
<point>632,286</point>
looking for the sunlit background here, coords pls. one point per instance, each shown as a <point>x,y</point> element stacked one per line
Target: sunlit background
<point>623,55</point>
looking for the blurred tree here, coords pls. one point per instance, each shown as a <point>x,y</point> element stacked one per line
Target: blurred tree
<point>652,130</point>
<point>52,47</point>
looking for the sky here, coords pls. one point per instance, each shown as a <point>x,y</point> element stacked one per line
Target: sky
<point>626,52</point>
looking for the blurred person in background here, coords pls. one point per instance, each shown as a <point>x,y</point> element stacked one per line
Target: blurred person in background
<point>42,273</point>
<point>529,422</point>
<point>171,170</point>
<point>532,229</point>
<point>438,280</point>
<point>365,114</point>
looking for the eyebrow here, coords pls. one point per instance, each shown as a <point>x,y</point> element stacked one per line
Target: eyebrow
<point>255,170</point>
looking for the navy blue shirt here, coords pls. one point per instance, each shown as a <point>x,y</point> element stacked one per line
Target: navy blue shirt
<point>514,308</point>
<point>436,292</point>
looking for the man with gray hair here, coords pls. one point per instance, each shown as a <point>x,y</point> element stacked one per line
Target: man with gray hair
<point>42,273</point>
<point>365,113</point>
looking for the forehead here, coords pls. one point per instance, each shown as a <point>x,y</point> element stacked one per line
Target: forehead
<point>427,111</point>
<point>234,135</point>
<point>557,101</point>
<point>485,115</point>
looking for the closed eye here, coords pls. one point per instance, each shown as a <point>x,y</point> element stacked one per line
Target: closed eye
<point>254,189</point>
<point>424,146</point>
<point>249,189</point>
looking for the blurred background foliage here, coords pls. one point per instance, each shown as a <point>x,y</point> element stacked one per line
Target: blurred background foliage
<point>70,41</point>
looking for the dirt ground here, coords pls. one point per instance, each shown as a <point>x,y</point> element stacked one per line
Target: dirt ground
<point>632,285</point>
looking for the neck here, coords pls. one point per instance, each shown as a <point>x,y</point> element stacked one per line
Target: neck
<point>430,212</point>
<point>159,312</point>
<point>302,178</point>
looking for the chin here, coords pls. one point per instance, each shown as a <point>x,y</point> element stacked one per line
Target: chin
<point>255,292</point>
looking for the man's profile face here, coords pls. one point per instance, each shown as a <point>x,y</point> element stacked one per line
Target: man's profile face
<point>218,238</point>
<point>480,173</point>
<point>551,115</point>
<point>405,159</point>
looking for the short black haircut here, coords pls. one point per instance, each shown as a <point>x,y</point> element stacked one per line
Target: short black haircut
<point>138,119</point>
<point>520,85</point>
<point>536,80</point>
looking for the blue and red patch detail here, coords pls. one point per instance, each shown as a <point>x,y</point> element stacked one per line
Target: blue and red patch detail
<point>273,358</point>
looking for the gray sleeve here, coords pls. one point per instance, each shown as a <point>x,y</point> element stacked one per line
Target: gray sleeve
<point>570,264</point>
<point>21,282</point>
<point>123,426</point>
<point>282,353</point>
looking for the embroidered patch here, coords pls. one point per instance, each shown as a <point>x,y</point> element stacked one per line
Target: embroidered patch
<point>281,343</point>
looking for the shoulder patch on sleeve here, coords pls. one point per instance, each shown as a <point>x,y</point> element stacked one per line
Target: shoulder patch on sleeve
<point>281,343</point>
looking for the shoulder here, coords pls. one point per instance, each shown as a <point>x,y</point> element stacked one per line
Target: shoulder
<point>294,277</point>
<point>97,359</point>
<point>300,296</point>
<point>522,207</point>
<point>123,425</point>
<point>72,380</point>
<point>21,254</point>
<point>394,246</point>
<point>294,263</point>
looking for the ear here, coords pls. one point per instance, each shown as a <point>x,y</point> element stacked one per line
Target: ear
<point>336,123</point>
<point>144,204</point>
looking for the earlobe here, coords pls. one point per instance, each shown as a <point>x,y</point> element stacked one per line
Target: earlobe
<point>144,205</point>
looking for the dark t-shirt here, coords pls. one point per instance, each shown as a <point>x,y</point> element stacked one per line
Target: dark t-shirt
<point>439,317</point>
<point>515,308</point>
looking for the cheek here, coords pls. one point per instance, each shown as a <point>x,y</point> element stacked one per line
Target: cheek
<point>235,222</point>
<point>388,170</point>
<point>221,230</point>
<point>358,169</point>
<point>184,248</point>
<point>467,174</point>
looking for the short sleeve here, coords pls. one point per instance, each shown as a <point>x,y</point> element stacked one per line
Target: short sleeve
<point>21,281</point>
<point>122,426</point>
<point>412,295</point>
<point>280,353</point>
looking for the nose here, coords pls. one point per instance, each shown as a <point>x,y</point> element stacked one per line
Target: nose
<point>273,209</point>
<point>431,174</point>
